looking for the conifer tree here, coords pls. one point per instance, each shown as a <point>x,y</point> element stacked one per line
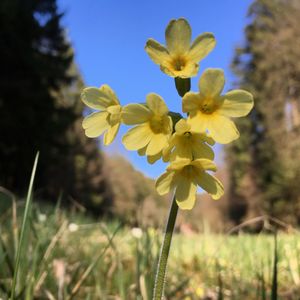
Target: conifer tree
<point>34,57</point>
<point>264,167</point>
<point>40,108</point>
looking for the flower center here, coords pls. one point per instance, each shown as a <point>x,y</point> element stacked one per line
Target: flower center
<point>188,172</point>
<point>187,134</point>
<point>159,124</point>
<point>179,63</point>
<point>208,106</point>
<point>114,114</point>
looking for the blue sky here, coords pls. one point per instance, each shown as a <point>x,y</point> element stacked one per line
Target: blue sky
<point>109,38</point>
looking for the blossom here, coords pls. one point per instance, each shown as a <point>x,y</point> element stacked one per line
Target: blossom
<point>73,227</point>
<point>154,125</point>
<point>184,176</point>
<point>209,110</point>
<point>42,217</point>
<point>185,143</point>
<point>137,232</point>
<point>150,158</point>
<point>180,58</point>
<point>108,119</point>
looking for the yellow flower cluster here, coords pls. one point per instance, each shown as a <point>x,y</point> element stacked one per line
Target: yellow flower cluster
<point>161,134</point>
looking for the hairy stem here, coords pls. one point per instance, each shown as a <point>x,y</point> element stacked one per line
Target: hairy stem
<point>164,253</point>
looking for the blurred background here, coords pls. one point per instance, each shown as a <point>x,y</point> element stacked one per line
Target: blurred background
<point>51,49</point>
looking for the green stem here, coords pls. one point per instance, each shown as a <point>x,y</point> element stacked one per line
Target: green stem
<point>164,253</point>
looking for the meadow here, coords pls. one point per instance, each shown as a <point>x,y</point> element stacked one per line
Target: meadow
<point>68,255</point>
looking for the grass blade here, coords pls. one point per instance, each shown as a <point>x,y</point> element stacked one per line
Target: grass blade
<point>7,258</point>
<point>91,267</point>
<point>275,270</point>
<point>263,285</point>
<point>24,224</point>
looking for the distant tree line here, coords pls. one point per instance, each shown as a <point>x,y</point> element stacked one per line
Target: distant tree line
<point>264,164</point>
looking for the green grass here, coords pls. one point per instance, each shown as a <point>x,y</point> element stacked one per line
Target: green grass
<point>104,261</point>
<point>50,253</point>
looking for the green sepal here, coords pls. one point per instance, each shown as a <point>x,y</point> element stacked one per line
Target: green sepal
<point>183,85</point>
<point>175,118</point>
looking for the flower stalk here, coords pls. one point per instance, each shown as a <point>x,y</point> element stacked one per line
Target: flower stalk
<point>164,253</point>
<point>182,86</point>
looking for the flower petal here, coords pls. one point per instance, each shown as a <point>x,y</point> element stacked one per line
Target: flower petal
<point>168,70</point>
<point>156,104</point>
<point>201,46</point>
<point>191,102</point>
<point>114,109</point>
<point>178,36</point>
<point>137,137</point>
<point>201,150</point>
<point>212,82</point>
<point>199,122</point>
<point>154,158</point>
<point>185,193</point>
<point>135,114</point>
<point>182,149</point>
<point>207,138</point>
<point>110,134</point>
<point>237,103</point>
<point>158,53</point>
<point>95,124</point>
<point>99,98</point>
<point>178,164</point>
<point>91,97</point>
<point>114,119</point>
<point>164,182</point>
<point>222,129</point>
<point>210,184</point>
<point>157,143</point>
<point>108,91</point>
<point>190,70</point>
<point>204,164</point>
<point>166,152</point>
<point>142,151</point>
<point>182,126</point>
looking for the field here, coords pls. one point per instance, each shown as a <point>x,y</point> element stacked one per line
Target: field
<point>67,255</point>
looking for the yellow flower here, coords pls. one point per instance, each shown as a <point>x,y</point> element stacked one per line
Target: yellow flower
<point>185,143</point>
<point>209,110</point>
<point>184,175</point>
<point>108,119</point>
<point>150,158</point>
<point>180,58</point>
<point>154,129</point>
